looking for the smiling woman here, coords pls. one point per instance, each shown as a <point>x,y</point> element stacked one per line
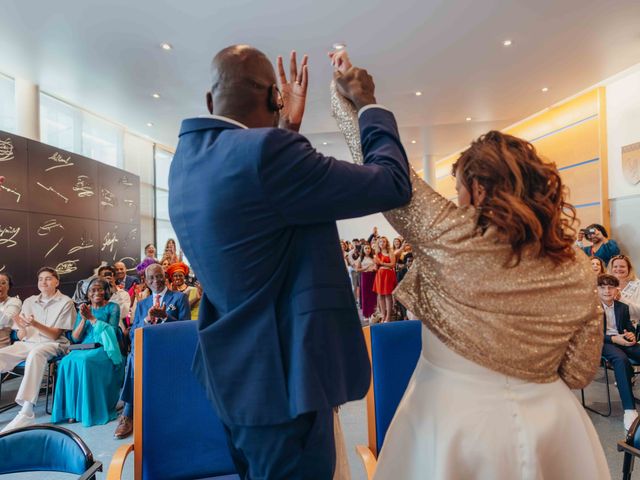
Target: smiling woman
<point>89,380</point>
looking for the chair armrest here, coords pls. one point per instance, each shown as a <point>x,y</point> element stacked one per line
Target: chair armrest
<point>117,462</point>
<point>368,460</point>
<point>91,471</point>
<point>625,447</point>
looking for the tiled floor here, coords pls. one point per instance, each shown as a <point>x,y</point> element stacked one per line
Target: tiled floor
<point>100,439</point>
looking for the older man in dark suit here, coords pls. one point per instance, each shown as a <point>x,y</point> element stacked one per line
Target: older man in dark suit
<point>255,208</point>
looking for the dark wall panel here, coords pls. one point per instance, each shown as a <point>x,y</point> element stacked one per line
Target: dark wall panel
<point>65,211</point>
<point>60,181</point>
<point>13,165</point>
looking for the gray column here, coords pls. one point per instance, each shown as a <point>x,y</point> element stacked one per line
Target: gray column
<point>429,170</point>
<point>27,109</point>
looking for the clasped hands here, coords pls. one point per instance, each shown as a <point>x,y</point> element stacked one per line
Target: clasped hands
<point>156,313</point>
<point>86,313</point>
<point>627,339</point>
<point>352,82</point>
<point>23,321</point>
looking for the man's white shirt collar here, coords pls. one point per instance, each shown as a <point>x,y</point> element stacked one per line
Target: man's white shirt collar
<point>225,119</point>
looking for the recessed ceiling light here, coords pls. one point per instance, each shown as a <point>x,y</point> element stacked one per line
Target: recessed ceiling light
<point>545,89</point>
<point>325,143</point>
<point>468,119</point>
<point>418,93</point>
<point>155,95</point>
<point>339,46</point>
<point>413,141</point>
<point>507,43</point>
<point>149,124</point>
<point>166,46</point>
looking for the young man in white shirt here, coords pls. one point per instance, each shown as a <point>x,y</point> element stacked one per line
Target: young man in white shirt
<point>41,325</point>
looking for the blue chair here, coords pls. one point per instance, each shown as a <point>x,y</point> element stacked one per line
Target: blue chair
<point>394,349</point>
<point>176,432</point>
<point>46,448</point>
<point>631,448</point>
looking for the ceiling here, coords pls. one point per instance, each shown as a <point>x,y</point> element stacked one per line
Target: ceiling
<point>106,57</point>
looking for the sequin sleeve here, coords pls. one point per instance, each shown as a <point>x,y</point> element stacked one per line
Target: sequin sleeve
<point>415,221</point>
<point>582,357</point>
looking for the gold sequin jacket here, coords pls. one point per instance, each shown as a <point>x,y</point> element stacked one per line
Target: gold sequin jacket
<point>535,321</point>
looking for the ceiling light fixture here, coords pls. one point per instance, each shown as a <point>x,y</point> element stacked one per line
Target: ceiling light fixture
<point>545,89</point>
<point>413,141</point>
<point>155,95</point>
<point>507,43</point>
<point>339,46</point>
<point>325,143</point>
<point>468,119</point>
<point>166,46</point>
<point>149,124</point>
<point>418,93</point>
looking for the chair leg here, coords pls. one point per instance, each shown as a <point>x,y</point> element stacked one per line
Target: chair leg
<point>608,412</point>
<point>627,466</point>
<point>49,389</point>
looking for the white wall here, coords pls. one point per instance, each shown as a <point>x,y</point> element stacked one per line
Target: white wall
<point>363,226</point>
<point>623,128</point>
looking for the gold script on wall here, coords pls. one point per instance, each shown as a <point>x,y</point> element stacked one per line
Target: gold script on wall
<point>631,162</point>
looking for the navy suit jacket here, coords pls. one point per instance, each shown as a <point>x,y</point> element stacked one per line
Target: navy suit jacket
<point>623,320</point>
<point>255,212</point>
<point>177,305</point>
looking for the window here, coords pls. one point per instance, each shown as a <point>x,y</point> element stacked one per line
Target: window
<point>7,104</point>
<point>73,129</point>
<point>164,230</point>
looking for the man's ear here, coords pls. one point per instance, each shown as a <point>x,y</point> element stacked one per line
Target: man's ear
<point>479,193</point>
<point>210,102</point>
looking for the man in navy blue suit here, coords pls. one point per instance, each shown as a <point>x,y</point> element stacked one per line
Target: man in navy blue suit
<point>255,206</point>
<point>163,305</point>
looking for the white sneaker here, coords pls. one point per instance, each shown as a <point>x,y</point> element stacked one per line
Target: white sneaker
<point>629,417</point>
<point>23,420</point>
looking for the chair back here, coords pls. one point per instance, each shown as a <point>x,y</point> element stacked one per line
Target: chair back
<point>43,448</point>
<point>394,349</point>
<point>177,434</point>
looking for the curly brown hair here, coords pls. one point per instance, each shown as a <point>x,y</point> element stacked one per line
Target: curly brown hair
<point>525,197</point>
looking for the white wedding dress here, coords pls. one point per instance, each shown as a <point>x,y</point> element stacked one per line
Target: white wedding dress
<point>458,420</point>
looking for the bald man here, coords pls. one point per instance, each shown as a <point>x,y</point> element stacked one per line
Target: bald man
<point>255,206</point>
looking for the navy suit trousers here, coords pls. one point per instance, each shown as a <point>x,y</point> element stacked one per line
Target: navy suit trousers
<point>618,357</point>
<point>303,448</point>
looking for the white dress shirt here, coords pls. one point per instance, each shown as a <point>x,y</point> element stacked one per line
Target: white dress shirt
<point>55,312</point>
<point>609,312</point>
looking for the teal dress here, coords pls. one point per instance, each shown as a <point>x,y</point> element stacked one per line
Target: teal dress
<point>89,381</point>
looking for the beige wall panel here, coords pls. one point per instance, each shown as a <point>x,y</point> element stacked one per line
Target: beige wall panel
<point>583,183</point>
<point>447,187</point>
<point>588,215</point>
<point>571,146</point>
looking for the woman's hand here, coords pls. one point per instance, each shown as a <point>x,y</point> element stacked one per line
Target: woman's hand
<point>86,313</point>
<point>620,340</point>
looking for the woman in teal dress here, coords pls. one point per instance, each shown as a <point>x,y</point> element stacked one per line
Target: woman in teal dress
<point>89,381</point>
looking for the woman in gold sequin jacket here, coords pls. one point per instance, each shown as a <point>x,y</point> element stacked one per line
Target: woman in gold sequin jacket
<point>510,321</point>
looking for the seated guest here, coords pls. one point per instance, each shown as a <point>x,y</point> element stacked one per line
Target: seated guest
<point>161,306</point>
<point>602,247</point>
<point>41,325</point>
<point>150,252</point>
<point>629,290</point>
<point>89,381</point>
<point>9,308</point>
<point>116,294</point>
<point>139,291</point>
<point>177,274</point>
<point>620,343</point>
<point>122,278</point>
<point>597,265</point>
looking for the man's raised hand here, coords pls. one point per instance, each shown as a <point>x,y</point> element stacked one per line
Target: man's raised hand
<point>294,92</point>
